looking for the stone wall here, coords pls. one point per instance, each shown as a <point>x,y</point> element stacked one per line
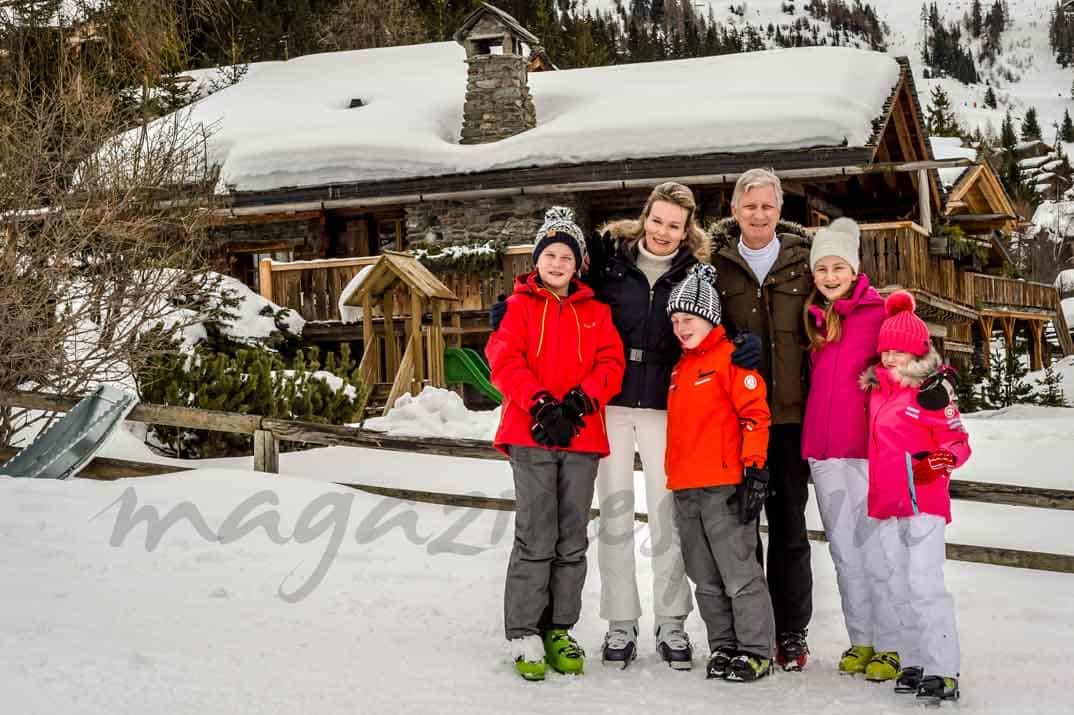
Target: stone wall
<point>509,220</point>
<point>498,101</point>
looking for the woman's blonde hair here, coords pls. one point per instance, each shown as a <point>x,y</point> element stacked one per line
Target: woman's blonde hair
<point>673,193</point>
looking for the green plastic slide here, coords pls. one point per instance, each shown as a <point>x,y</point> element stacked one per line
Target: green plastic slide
<point>465,365</point>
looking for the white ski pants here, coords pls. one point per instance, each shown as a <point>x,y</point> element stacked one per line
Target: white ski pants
<point>627,427</point>
<point>914,562</point>
<point>856,545</point>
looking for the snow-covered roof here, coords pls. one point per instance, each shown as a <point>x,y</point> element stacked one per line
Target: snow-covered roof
<point>1034,161</point>
<point>288,123</point>
<point>951,148</point>
<point>1058,218</point>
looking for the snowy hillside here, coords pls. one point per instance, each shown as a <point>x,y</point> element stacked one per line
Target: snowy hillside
<point>1039,81</point>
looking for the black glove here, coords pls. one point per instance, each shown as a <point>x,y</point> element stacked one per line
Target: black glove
<point>750,494</point>
<point>600,250</point>
<point>497,311</point>
<point>747,353</point>
<point>577,405</point>
<point>938,389</point>
<point>551,425</point>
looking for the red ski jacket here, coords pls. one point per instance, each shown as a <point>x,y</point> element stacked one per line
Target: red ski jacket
<point>546,342</point>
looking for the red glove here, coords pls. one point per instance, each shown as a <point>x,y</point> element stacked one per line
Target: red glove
<point>932,465</point>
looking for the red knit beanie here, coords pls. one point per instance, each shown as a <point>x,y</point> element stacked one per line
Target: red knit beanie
<point>902,330</point>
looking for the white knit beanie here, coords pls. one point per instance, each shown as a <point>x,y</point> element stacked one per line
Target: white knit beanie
<point>839,238</point>
<point>696,294</point>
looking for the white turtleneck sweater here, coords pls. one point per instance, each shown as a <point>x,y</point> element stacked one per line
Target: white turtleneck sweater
<point>651,265</point>
<point>761,260</point>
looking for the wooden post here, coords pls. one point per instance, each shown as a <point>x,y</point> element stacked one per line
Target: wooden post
<point>370,349</point>
<point>266,452</point>
<point>456,322</point>
<point>264,278</point>
<point>436,345</point>
<point>415,335</point>
<point>986,322</point>
<point>1036,345</point>
<point>391,347</point>
<point>924,200</point>
<point>1008,333</point>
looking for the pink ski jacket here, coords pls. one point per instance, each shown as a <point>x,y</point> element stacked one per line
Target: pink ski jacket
<point>898,429</point>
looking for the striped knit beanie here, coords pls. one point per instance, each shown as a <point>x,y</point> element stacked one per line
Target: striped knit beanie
<point>559,227</point>
<point>697,294</point>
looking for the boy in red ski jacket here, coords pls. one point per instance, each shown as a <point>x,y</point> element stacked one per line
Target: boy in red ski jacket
<point>557,359</point>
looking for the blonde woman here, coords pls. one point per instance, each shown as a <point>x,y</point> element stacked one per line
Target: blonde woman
<point>633,267</point>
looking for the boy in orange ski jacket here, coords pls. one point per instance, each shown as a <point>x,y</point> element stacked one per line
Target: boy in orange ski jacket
<point>718,420</point>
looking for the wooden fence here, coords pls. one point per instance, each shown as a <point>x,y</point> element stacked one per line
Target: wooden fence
<point>268,431</point>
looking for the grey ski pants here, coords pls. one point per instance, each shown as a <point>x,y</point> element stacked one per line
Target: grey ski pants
<point>546,572</point>
<point>720,557</point>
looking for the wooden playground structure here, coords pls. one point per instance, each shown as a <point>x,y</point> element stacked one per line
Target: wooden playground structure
<point>398,281</point>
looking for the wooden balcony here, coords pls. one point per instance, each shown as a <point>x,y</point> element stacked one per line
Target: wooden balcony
<point>897,254</point>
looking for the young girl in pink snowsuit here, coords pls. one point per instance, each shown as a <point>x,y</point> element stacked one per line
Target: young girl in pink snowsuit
<point>843,317</point>
<point>915,440</point>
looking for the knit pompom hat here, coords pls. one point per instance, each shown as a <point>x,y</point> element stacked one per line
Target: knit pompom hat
<point>839,238</point>
<point>559,227</point>
<point>696,294</point>
<point>902,330</point>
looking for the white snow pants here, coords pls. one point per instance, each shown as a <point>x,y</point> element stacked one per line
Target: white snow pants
<point>856,543</point>
<point>619,600</point>
<point>914,562</point>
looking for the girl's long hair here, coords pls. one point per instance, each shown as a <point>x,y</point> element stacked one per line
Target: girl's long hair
<point>833,322</point>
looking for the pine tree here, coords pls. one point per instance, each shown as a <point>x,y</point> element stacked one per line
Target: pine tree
<point>990,98</point>
<point>976,19</point>
<point>1050,389</point>
<point>941,118</point>
<point>1030,126</point>
<point>1006,384</point>
<point>1007,137</point>
<point>1066,129</point>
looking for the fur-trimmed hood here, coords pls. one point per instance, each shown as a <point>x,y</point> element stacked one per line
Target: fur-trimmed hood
<point>623,231</point>
<point>726,232</point>
<point>910,375</point>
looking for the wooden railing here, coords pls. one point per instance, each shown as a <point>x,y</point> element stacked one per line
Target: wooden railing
<point>1009,294</point>
<point>897,253</point>
<point>312,288</point>
<point>268,431</point>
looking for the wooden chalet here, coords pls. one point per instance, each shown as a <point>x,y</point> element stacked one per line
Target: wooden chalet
<point>300,244</point>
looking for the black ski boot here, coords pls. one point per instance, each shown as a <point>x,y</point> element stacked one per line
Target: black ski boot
<point>719,662</point>
<point>792,651</point>
<point>673,645</point>
<point>909,679</point>
<point>747,667</point>
<point>938,688</point>
<point>620,646</point>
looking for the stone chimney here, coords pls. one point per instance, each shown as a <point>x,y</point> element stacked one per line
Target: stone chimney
<point>498,101</point>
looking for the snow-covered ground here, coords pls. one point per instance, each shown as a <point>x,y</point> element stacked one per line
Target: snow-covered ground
<point>321,599</point>
<point>281,594</point>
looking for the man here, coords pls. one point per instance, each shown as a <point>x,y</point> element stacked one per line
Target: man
<point>764,281</point>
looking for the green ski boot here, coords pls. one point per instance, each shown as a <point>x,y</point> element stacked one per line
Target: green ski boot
<point>562,652</point>
<point>884,666</point>
<point>855,658</point>
<point>528,654</point>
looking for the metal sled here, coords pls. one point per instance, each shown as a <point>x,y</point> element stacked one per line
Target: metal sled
<point>69,444</point>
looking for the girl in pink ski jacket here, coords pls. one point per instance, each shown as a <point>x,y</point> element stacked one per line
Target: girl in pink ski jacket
<point>843,317</point>
<point>915,440</point>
